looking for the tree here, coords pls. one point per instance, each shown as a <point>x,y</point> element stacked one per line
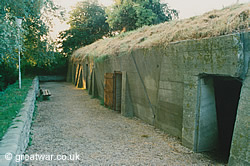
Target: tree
<point>132,14</point>
<point>122,15</point>
<point>87,24</point>
<point>36,48</point>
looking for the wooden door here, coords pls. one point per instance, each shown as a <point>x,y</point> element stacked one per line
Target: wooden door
<point>109,90</point>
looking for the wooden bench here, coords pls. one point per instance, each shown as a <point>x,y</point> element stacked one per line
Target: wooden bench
<point>44,94</point>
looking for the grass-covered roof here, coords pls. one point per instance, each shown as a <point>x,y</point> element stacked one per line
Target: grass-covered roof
<point>229,20</point>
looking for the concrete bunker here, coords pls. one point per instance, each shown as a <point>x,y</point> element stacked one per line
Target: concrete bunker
<point>169,70</point>
<point>218,98</point>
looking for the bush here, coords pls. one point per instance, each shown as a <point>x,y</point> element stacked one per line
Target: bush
<point>8,75</point>
<point>58,66</point>
<point>9,72</point>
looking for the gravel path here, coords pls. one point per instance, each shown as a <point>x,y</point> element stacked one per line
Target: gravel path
<point>71,122</point>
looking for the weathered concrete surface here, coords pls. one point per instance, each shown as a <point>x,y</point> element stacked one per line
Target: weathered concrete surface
<point>126,109</point>
<point>171,87</point>
<point>215,56</point>
<point>206,136</point>
<point>16,139</point>
<point>71,122</point>
<point>239,154</point>
<point>142,72</point>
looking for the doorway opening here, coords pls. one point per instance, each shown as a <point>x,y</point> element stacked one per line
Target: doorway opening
<point>227,95</point>
<point>118,91</point>
<point>218,98</point>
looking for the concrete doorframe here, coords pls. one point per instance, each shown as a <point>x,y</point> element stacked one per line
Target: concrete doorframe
<point>191,109</point>
<point>206,126</point>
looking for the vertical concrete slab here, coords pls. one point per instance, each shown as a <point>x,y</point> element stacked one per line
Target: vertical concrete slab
<point>206,134</point>
<point>93,84</point>
<point>240,147</point>
<point>126,109</point>
<point>90,83</point>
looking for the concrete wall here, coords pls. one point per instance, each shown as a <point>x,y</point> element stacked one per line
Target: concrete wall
<point>143,72</point>
<point>16,139</point>
<point>239,154</point>
<point>162,82</point>
<point>171,89</point>
<point>215,56</point>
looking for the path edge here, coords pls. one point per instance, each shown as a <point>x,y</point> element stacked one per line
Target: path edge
<point>16,139</point>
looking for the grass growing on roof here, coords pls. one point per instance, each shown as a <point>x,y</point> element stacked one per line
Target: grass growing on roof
<point>100,58</point>
<point>11,101</point>
<point>229,20</point>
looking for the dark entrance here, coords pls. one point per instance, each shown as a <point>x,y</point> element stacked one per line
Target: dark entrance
<point>118,91</point>
<point>218,99</point>
<point>227,95</point>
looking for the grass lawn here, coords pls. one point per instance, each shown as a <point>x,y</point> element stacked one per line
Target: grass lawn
<point>11,101</point>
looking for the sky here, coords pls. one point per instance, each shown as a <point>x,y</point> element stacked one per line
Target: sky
<point>186,8</point>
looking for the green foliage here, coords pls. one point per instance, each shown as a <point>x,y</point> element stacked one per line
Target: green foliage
<point>128,15</point>
<point>122,16</point>
<point>32,25</point>
<point>8,75</point>
<point>87,24</point>
<point>11,102</point>
<point>30,140</point>
<point>146,16</point>
<point>37,51</point>
<point>56,65</point>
